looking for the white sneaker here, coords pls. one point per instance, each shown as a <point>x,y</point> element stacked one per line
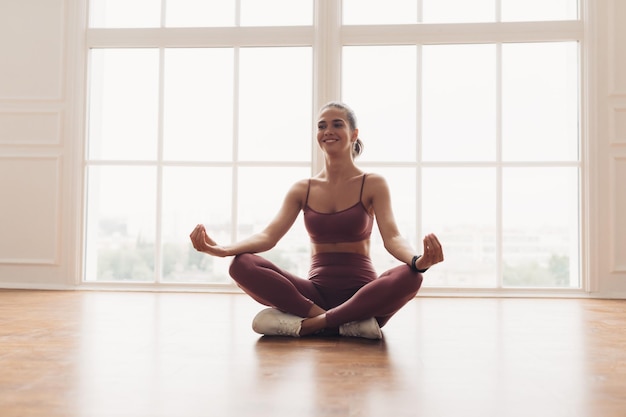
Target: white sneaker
<point>273,322</point>
<point>368,329</point>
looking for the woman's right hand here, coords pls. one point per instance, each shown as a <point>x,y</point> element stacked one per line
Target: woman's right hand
<point>203,243</point>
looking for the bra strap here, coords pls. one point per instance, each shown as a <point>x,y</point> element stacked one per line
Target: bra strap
<point>362,184</point>
<point>306,200</point>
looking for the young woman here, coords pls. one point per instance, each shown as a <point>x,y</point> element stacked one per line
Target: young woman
<point>343,293</point>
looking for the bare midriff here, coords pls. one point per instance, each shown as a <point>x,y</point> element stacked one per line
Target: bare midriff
<point>362,247</point>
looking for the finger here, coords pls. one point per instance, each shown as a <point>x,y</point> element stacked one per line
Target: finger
<point>435,240</point>
<point>429,246</point>
<point>432,239</point>
<point>436,252</point>
<point>208,239</point>
<point>426,248</point>
<point>434,244</point>
<point>195,243</point>
<point>195,231</point>
<point>196,238</point>
<point>432,250</point>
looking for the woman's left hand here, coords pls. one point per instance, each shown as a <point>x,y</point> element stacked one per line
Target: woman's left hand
<point>433,253</point>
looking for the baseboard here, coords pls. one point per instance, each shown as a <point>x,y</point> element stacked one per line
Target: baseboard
<point>36,286</point>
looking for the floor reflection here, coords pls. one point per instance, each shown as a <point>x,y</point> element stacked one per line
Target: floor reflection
<point>301,375</point>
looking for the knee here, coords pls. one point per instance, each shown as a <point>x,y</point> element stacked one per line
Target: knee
<point>241,265</point>
<point>419,278</point>
<point>403,280</point>
<point>412,281</point>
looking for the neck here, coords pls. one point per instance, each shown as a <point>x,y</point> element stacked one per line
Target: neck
<point>335,170</point>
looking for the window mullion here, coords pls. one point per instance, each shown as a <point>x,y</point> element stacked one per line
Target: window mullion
<point>158,253</point>
<point>234,224</point>
<point>418,148</point>
<point>499,195</point>
<point>443,33</point>
<point>237,13</point>
<point>420,11</point>
<point>210,37</point>
<point>498,7</point>
<point>327,50</point>
<point>163,12</point>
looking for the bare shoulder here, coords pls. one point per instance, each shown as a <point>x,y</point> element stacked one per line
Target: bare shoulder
<point>297,192</point>
<point>375,191</point>
<point>376,183</point>
<point>300,186</point>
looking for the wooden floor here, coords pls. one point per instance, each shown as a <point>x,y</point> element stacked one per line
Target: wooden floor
<point>115,354</point>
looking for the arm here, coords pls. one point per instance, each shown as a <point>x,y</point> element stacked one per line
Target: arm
<point>395,244</point>
<point>259,242</point>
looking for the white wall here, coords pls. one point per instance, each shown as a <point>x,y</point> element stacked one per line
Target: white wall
<point>607,237</point>
<point>41,131</point>
<point>39,140</point>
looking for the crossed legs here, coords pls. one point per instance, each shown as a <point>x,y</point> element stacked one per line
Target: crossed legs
<point>272,286</point>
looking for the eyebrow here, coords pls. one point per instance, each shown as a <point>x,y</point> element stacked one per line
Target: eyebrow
<point>334,120</point>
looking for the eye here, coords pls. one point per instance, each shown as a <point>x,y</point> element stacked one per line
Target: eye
<point>321,126</point>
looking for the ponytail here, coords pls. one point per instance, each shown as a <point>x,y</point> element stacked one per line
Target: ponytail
<point>357,148</point>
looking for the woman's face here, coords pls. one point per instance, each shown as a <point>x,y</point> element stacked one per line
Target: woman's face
<point>333,131</point>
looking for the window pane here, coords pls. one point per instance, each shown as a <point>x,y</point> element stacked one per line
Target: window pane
<point>275,91</point>
<point>402,182</point>
<point>261,194</point>
<point>276,12</point>
<point>377,12</point>
<point>528,10</point>
<point>540,227</point>
<point>121,224</point>
<point>458,11</point>
<point>540,101</point>
<point>125,14</point>
<point>383,93</point>
<point>123,104</point>
<point>459,103</point>
<point>198,109</point>
<point>192,196</point>
<point>200,13</point>
<point>459,206</point>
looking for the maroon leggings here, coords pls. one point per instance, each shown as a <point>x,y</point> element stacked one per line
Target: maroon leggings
<point>343,284</point>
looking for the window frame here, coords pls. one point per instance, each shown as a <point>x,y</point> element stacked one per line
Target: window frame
<point>327,36</point>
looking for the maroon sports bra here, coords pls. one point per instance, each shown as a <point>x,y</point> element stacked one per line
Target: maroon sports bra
<point>350,225</point>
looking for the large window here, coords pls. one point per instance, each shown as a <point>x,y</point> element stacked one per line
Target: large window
<point>470,109</point>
